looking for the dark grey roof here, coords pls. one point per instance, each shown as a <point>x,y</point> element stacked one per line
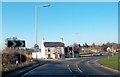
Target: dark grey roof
<point>53,44</point>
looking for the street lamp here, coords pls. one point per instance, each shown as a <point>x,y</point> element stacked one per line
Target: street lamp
<point>36,13</point>
<point>36,46</point>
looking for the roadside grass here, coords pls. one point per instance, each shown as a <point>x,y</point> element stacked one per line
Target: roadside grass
<point>112,62</point>
<point>12,67</point>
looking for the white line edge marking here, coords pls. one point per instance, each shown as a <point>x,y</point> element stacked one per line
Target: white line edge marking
<point>29,72</point>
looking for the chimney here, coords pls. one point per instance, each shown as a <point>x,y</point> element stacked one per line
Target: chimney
<point>43,40</point>
<point>61,40</point>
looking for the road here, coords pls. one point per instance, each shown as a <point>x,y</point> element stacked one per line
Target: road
<point>83,67</point>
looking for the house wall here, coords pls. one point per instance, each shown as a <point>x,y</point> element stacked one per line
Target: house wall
<point>55,52</point>
<point>36,55</point>
<point>43,53</point>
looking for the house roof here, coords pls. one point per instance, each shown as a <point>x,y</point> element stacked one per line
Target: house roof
<point>53,44</point>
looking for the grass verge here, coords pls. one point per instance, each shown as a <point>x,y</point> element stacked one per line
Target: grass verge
<point>13,67</point>
<point>112,62</point>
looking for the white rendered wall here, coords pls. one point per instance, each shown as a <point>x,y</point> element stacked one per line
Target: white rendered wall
<point>34,55</point>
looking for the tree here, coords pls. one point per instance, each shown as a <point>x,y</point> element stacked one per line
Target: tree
<point>93,45</point>
<point>76,47</point>
<point>104,47</point>
<point>86,45</point>
<point>29,51</point>
<point>79,45</point>
<point>70,49</point>
<point>108,44</point>
<point>83,45</point>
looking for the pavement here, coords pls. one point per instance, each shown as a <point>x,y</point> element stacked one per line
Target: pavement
<point>74,67</point>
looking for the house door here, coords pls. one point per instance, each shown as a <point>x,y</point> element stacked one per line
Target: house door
<point>49,55</point>
<point>60,55</point>
<point>56,56</point>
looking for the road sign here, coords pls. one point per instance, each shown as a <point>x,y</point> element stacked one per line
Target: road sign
<point>16,43</point>
<point>36,46</point>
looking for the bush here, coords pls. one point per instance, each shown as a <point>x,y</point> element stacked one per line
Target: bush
<point>10,58</point>
<point>23,58</point>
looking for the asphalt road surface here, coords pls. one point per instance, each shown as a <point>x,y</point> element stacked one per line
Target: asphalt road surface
<point>83,67</point>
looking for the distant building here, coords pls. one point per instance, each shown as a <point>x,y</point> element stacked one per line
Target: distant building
<point>70,53</point>
<point>52,50</point>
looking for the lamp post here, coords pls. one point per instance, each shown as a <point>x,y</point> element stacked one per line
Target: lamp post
<point>108,50</point>
<point>36,46</point>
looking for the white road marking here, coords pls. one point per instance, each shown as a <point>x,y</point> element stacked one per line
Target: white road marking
<point>74,76</point>
<point>88,62</point>
<point>82,60</point>
<point>29,71</point>
<point>86,75</point>
<point>79,69</point>
<point>71,70</point>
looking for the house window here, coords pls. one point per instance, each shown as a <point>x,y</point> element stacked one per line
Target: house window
<point>49,56</point>
<point>48,49</point>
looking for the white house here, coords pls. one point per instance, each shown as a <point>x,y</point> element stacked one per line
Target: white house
<point>52,50</point>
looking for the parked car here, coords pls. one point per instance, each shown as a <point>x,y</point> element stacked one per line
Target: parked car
<point>96,54</point>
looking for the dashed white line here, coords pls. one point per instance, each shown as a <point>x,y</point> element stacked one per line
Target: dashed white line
<point>69,68</point>
<point>86,76</point>
<point>79,69</point>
